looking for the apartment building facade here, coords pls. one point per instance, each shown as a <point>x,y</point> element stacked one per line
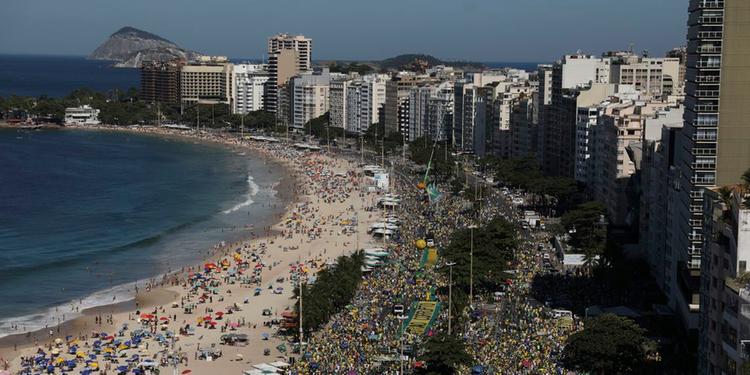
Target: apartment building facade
<point>160,82</point>
<point>288,56</point>
<point>250,82</point>
<point>208,80</point>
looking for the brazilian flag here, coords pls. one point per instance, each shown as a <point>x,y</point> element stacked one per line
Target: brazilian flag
<point>433,193</point>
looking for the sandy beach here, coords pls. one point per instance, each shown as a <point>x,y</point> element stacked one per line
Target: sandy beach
<point>325,197</point>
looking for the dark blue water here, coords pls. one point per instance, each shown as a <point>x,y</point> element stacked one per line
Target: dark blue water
<point>57,76</point>
<point>84,212</point>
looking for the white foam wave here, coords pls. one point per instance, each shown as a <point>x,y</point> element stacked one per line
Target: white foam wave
<point>253,189</point>
<point>55,315</point>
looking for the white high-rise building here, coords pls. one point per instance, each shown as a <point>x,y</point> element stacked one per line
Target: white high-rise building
<point>249,87</point>
<point>309,97</point>
<point>431,111</point>
<point>365,97</point>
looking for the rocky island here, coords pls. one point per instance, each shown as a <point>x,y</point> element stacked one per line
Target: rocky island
<point>130,47</point>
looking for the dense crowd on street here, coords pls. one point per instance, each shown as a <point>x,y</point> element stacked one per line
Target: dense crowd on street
<point>514,336</point>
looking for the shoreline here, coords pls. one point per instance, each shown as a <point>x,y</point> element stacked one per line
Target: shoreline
<point>160,293</point>
<point>292,189</point>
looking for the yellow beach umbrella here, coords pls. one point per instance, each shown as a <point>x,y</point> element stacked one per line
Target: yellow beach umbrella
<point>81,354</point>
<point>94,365</point>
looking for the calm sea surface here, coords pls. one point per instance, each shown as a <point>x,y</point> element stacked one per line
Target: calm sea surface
<point>84,213</point>
<point>57,76</point>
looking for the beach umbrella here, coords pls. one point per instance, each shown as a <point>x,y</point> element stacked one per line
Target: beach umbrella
<point>122,369</point>
<point>58,341</point>
<point>264,336</point>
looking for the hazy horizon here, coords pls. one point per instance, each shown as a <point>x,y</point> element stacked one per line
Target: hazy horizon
<point>469,30</point>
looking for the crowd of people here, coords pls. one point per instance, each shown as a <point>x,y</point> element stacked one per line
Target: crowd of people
<point>516,334</point>
<point>513,335</point>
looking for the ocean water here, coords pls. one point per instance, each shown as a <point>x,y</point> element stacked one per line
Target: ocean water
<point>84,214</point>
<point>58,76</point>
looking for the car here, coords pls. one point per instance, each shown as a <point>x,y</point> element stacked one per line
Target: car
<point>561,313</point>
<point>498,296</point>
<point>398,309</point>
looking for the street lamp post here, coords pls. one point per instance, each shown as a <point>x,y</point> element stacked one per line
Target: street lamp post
<point>401,340</point>
<point>471,265</point>
<point>450,294</point>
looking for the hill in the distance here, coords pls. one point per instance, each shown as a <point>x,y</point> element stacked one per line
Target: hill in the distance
<point>130,47</point>
<point>405,62</point>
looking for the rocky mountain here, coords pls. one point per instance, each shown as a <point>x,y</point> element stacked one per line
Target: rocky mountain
<point>130,47</point>
<point>415,61</point>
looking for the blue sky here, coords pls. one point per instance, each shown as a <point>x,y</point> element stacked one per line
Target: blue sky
<point>477,30</point>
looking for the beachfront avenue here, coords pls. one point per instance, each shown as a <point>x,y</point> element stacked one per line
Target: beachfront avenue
<point>240,311</point>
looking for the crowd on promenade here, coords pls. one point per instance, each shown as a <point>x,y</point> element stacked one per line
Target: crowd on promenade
<point>516,335</point>
<point>364,338</point>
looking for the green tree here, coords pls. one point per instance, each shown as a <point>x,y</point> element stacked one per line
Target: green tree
<point>443,162</point>
<point>494,245</point>
<point>333,290</point>
<point>443,355</point>
<point>587,227</point>
<point>608,344</point>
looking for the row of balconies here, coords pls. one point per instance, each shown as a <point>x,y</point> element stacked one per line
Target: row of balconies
<point>711,19</point>
<point>704,151</point>
<point>706,108</point>
<point>703,180</point>
<point>707,93</point>
<point>710,34</point>
<point>704,166</point>
<point>709,49</point>
<point>707,4</point>
<point>704,137</point>
<point>708,64</point>
<point>708,79</point>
